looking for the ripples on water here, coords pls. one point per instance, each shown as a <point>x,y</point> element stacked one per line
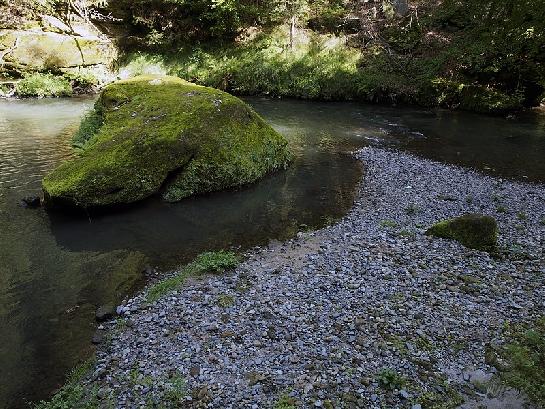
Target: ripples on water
<point>55,268</point>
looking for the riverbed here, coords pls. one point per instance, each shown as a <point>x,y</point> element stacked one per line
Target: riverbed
<point>55,269</point>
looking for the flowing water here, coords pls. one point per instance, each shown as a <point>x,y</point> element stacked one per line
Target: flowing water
<point>56,268</point>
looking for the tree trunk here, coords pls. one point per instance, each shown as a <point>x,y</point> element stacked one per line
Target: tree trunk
<point>292,31</point>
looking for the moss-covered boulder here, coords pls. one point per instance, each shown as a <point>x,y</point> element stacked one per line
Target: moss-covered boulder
<point>155,134</point>
<point>472,230</point>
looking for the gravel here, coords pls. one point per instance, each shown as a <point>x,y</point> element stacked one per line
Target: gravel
<point>323,318</point>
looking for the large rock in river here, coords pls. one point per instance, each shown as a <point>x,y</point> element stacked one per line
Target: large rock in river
<point>162,134</point>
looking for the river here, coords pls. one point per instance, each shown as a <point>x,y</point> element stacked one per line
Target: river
<point>55,269</point>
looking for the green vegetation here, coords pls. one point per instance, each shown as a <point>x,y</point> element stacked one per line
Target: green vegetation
<point>483,55</point>
<point>388,224</point>
<point>43,85</point>
<point>390,380</point>
<point>472,230</point>
<point>525,361</point>
<point>175,391</point>
<point>164,134</point>
<point>285,402</point>
<point>90,125</point>
<point>226,300</point>
<point>74,395</point>
<point>317,67</point>
<point>209,262</point>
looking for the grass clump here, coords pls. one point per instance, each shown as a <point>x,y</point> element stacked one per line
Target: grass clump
<point>74,395</point>
<point>525,361</point>
<point>285,402</point>
<point>226,300</point>
<point>209,262</point>
<point>388,224</point>
<point>43,85</point>
<point>390,380</point>
<point>175,391</point>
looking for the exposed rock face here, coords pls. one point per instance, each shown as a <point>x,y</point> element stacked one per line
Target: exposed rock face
<point>164,135</point>
<point>63,49</point>
<point>472,230</point>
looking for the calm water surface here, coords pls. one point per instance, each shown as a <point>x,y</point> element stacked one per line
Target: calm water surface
<point>55,269</point>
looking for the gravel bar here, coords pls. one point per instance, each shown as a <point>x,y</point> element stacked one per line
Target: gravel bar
<point>367,313</point>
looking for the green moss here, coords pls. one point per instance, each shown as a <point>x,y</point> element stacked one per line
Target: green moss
<point>43,85</point>
<point>165,134</point>
<point>472,230</point>
<point>90,125</point>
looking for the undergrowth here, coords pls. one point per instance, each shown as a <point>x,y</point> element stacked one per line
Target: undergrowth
<point>74,395</point>
<point>525,361</point>
<point>43,85</point>
<point>209,262</point>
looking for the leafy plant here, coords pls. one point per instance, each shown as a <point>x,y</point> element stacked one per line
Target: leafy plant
<point>390,380</point>
<point>43,85</point>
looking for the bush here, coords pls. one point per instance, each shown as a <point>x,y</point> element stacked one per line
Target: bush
<point>43,85</point>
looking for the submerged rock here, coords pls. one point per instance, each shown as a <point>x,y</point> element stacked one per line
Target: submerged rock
<point>155,134</point>
<point>472,230</point>
<point>31,202</point>
<point>105,312</point>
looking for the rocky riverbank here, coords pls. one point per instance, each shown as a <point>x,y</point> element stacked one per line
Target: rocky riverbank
<point>368,313</point>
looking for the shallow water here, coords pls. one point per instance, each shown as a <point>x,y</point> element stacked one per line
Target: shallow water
<point>56,268</point>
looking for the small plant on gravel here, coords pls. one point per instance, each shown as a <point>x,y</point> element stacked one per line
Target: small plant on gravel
<point>542,222</point>
<point>285,402</point>
<point>209,262</point>
<point>522,216</point>
<point>390,380</point>
<point>501,209</point>
<point>226,300</point>
<point>525,360</point>
<point>407,234</point>
<point>412,210</point>
<point>175,391</point>
<point>388,224</point>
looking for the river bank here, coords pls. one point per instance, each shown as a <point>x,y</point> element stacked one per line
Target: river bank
<point>365,313</point>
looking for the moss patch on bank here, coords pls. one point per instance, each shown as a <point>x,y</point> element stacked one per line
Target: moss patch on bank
<point>155,134</point>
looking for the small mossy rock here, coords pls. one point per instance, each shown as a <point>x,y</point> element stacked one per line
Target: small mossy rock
<point>474,231</point>
<point>162,134</point>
